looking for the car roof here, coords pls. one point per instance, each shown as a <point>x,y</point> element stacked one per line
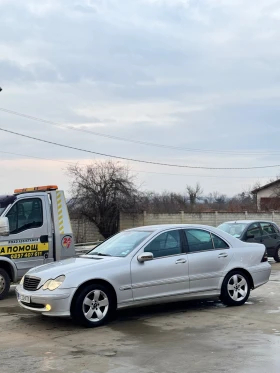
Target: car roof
<point>161,227</point>
<point>247,221</point>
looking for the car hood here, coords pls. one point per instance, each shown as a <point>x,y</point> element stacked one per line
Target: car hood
<point>63,267</point>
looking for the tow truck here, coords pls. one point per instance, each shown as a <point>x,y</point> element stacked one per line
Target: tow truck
<point>35,229</point>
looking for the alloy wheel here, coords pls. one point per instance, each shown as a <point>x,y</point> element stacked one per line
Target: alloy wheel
<point>95,305</point>
<point>237,287</point>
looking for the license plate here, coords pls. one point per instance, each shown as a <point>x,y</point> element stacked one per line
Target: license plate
<point>24,298</point>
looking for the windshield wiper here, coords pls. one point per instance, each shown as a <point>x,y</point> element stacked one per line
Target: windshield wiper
<point>101,254</point>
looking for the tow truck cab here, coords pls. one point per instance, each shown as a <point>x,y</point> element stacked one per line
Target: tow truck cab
<point>35,229</point>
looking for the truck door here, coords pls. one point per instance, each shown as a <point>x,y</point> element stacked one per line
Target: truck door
<point>27,245</point>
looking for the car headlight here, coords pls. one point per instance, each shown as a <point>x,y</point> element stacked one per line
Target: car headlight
<point>53,284</point>
<point>21,281</point>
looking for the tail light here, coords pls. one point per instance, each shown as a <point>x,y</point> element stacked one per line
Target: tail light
<point>264,258</point>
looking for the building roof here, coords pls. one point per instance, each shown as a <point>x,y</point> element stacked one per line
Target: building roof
<point>273,183</point>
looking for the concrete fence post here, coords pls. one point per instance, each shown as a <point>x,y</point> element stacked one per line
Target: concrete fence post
<point>246,215</point>
<point>84,230</point>
<point>273,217</point>
<point>182,217</point>
<point>144,217</point>
<point>216,218</point>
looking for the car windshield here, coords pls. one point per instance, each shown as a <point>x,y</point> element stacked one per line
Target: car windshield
<point>121,244</point>
<point>235,229</point>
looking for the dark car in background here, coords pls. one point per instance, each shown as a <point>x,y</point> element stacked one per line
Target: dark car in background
<point>265,232</point>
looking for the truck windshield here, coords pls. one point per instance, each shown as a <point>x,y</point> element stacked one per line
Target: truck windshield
<point>5,201</point>
<point>121,244</point>
<point>235,229</point>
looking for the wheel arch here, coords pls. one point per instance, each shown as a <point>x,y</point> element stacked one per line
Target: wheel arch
<point>276,256</point>
<point>94,281</point>
<point>9,267</point>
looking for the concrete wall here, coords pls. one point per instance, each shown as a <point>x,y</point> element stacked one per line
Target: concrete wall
<point>85,231</point>
<point>207,218</point>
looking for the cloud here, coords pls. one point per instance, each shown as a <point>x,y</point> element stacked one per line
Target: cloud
<point>195,74</point>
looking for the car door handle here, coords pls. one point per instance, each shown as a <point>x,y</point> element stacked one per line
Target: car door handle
<point>180,261</point>
<point>222,255</point>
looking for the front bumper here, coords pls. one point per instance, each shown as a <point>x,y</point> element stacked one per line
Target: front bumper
<point>58,301</point>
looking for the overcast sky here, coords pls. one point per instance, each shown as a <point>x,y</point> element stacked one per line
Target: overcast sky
<point>201,75</point>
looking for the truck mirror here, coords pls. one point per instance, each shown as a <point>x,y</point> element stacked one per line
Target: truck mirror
<point>4,226</point>
<point>250,236</point>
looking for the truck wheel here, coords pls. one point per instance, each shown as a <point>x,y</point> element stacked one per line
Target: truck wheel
<point>4,283</point>
<point>277,255</point>
<point>94,306</point>
<point>235,289</point>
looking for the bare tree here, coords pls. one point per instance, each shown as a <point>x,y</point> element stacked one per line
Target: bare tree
<point>166,202</point>
<point>194,193</point>
<point>100,191</point>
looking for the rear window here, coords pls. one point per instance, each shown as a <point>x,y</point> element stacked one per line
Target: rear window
<point>235,229</point>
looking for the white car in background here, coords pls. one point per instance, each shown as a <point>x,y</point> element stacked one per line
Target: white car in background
<point>146,265</point>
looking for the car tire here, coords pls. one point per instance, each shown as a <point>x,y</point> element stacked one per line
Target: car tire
<point>277,255</point>
<point>235,289</point>
<point>94,306</point>
<point>5,283</point>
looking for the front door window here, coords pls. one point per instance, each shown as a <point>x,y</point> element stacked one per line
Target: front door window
<point>199,240</point>
<point>254,231</point>
<point>166,244</point>
<point>25,214</point>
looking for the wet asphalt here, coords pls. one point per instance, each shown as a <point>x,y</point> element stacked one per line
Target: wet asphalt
<point>186,337</point>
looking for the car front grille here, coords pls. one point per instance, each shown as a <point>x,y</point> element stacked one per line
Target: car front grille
<point>33,305</point>
<point>31,283</point>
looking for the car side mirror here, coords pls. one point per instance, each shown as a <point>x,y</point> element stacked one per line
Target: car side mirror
<point>249,236</point>
<point>4,226</point>
<point>145,257</point>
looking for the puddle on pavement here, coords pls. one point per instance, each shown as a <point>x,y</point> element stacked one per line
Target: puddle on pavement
<point>273,311</point>
<point>79,353</point>
<point>135,328</point>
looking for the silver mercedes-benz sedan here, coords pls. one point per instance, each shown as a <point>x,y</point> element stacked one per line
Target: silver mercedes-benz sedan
<point>146,265</point>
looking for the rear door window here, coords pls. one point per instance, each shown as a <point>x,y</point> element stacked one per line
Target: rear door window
<point>268,228</point>
<point>198,240</point>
